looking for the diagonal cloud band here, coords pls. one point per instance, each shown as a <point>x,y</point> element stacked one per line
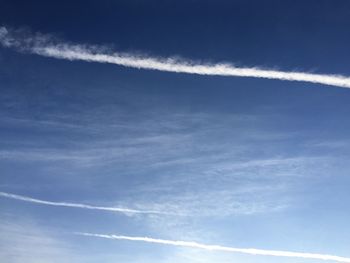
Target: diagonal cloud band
<point>83,206</point>
<point>251,251</point>
<point>45,45</point>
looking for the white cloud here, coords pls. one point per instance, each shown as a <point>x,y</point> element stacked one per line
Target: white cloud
<point>251,251</point>
<point>76,205</point>
<point>45,46</point>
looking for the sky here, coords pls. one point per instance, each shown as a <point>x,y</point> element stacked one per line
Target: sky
<point>128,131</point>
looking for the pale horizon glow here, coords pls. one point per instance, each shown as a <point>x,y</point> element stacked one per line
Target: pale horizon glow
<point>251,251</point>
<point>45,46</point>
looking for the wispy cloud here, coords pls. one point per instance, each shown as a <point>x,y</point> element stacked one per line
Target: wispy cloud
<point>159,147</point>
<point>251,251</point>
<point>174,155</point>
<point>44,45</point>
<point>23,240</point>
<point>75,205</point>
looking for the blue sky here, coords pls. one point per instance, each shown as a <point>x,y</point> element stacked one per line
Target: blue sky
<point>241,162</point>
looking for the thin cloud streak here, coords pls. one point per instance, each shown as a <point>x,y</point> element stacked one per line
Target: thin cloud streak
<point>251,251</point>
<point>46,46</point>
<point>75,205</point>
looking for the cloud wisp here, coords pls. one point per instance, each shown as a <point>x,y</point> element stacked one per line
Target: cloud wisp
<point>126,211</point>
<point>251,251</point>
<point>45,45</point>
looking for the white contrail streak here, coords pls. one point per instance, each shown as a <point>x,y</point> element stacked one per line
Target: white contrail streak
<point>251,251</point>
<point>83,206</point>
<point>46,46</point>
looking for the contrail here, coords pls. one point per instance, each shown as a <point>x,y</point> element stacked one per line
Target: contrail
<point>83,206</point>
<point>45,45</point>
<point>251,251</point>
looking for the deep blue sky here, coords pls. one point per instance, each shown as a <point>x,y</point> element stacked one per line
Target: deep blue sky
<point>246,162</point>
<point>292,34</point>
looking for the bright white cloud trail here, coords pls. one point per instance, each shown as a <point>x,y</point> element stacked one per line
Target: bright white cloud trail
<point>45,45</point>
<point>75,205</point>
<point>251,251</point>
